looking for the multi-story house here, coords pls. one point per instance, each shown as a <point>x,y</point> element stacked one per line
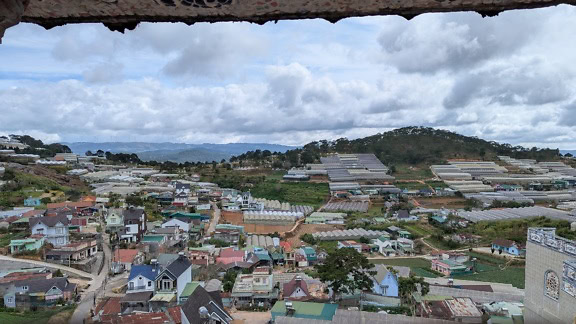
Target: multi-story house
<point>54,229</point>
<point>134,224</point>
<point>255,288</point>
<point>114,219</point>
<point>175,276</point>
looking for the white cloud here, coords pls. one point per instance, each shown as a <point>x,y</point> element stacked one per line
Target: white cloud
<point>506,78</point>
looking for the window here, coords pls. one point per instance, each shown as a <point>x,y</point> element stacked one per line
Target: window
<point>59,230</point>
<point>131,285</point>
<point>10,300</point>
<point>552,284</point>
<point>25,288</point>
<point>149,283</point>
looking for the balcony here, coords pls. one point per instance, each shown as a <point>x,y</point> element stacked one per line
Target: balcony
<point>139,288</point>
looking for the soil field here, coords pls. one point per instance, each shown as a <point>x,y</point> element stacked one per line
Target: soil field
<point>439,202</point>
<point>309,229</point>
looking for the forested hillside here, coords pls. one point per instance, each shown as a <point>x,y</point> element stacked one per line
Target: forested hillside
<point>409,145</point>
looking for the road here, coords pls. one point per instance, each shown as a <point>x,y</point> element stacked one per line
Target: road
<point>215,218</point>
<point>64,268</point>
<point>97,287</point>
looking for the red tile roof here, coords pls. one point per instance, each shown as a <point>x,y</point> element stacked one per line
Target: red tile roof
<point>175,314</point>
<point>144,318</point>
<point>286,246</point>
<point>110,306</point>
<point>292,285</point>
<point>77,204</point>
<point>34,212</point>
<point>125,255</point>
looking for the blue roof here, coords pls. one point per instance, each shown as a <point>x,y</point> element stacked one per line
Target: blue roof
<point>144,270</point>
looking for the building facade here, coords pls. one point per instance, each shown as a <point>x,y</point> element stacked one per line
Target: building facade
<point>550,293</point>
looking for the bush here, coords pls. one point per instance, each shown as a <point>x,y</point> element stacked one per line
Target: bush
<point>308,238</point>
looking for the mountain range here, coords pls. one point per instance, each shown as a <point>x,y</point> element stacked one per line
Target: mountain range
<point>177,152</point>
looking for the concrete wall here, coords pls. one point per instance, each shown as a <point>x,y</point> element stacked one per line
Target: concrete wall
<point>539,307</point>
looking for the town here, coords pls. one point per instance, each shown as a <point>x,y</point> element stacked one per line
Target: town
<point>269,237</point>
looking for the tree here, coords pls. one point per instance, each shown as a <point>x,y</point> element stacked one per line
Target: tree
<point>308,238</point>
<point>58,273</point>
<point>134,200</point>
<point>345,271</point>
<point>364,240</point>
<point>88,153</point>
<point>407,286</point>
<point>46,200</point>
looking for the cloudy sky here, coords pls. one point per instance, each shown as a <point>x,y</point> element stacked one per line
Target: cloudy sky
<point>509,78</point>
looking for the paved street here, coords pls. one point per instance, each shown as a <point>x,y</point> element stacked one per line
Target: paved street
<point>96,289</point>
<point>64,268</point>
<point>215,218</point>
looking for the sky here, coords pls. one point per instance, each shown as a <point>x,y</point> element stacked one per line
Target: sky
<point>510,78</point>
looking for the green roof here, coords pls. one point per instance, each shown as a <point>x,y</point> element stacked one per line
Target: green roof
<point>23,220</point>
<point>380,219</point>
<point>152,238</point>
<point>306,310</point>
<point>404,232</point>
<point>189,289</point>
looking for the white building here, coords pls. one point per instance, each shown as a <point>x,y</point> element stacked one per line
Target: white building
<point>53,228</point>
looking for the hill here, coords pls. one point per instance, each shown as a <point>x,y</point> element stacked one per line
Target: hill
<point>177,152</point>
<point>193,155</point>
<point>410,145</point>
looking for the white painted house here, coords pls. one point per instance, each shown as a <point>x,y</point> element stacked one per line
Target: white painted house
<point>142,278</point>
<point>53,228</point>
<point>175,276</point>
<point>174,222</point>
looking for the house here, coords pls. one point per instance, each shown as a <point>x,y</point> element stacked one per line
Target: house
<point>202,256</point>
<point>180,200</point>
<point>230,255</point>
<point>175,276</point>
<point>228,233</point>
<point>124,258</point>
<point>310,254</point>
<point>449,267</point>
<point>321,313</point>
<point>300,259</point>
<point>171,233</point>
<point>38,292</point>
<point>451,309</point>
<point>142,277</point>
<point>202,306</point>
<point>256,289</point>
<point>135,224</point>
<point>114,219</point>
<point>178,223</point>
<point>106,308</point>
<point>182,188</point>
<point>54,229</point>
<point>289,254</point>
<point>404,234</point>
<point>73,252</point>
<point>32,243</point>
<point>385,282</point>
<point>153,239</point>
<point>296,289</point>
<point>136,302</point>
<point>359,247</point>
<point>403,215</point>
<point>509,247</point>
<point>32,202</point>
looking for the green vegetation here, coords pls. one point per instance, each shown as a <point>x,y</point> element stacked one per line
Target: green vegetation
<point>436,184</point>
<point>494,269</point>
<point>517,229</point>
<point>408,145</point>
<point>297,193</point>
<point>411,185</point>
<point>438,241</point>
<point>38,317</point>
<point>218,243</point>
<point>345,271</point>
<point>400,310</point>
<point>412,172</point>
<point>6,238</point>
<point>308,238</point>
<point>419,266</point>
<point>22,185</point>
